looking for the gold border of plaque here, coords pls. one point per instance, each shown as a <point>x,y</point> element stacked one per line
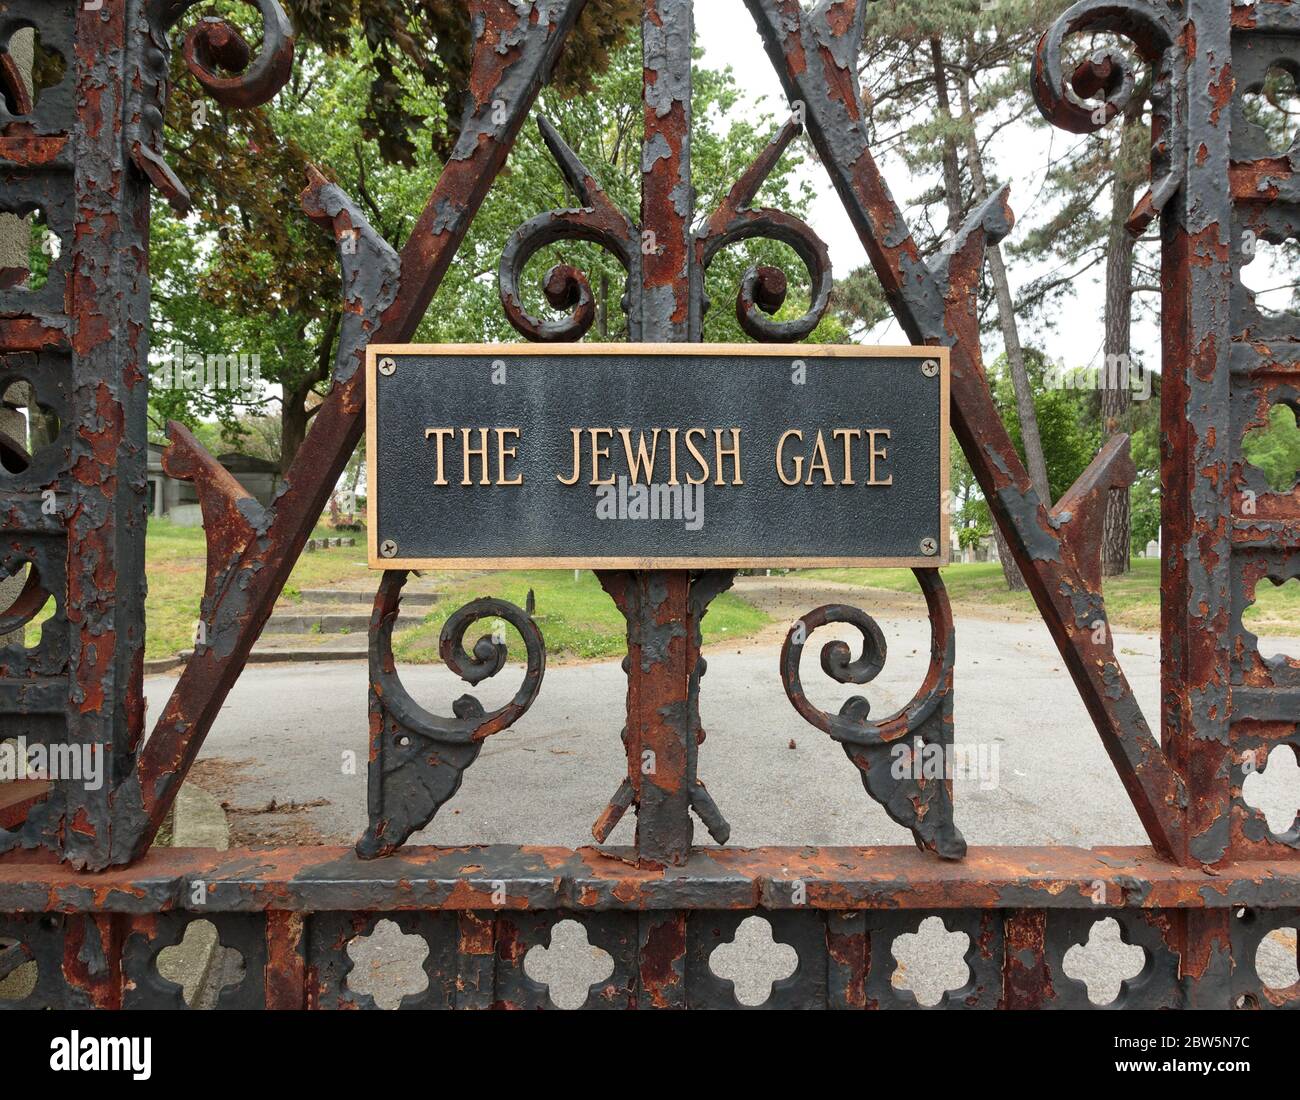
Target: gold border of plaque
<point>796,351</point>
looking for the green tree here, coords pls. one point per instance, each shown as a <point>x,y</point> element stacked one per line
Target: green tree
<point>430,43</point>
<point>970,515</point>
<point>1108,168</point>
<point>1276,449</point>
<point>249,272</point>
<point>1144,428</point>
<point>1066,415</point>
<point>605,130</point>
<point>256,278</point>
<point>1093,187</point>
<point>1066,410</point>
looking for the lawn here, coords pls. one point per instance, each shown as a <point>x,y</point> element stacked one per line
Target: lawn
<point>175,561</point>
<point>576,617</point>
<point>578,620</point>
<point>1132,601</point>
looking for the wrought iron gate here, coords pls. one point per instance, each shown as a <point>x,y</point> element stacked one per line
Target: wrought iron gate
<point>84,897</point>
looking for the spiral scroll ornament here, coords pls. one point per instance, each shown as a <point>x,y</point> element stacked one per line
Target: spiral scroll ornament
<point>762,290</point>
<point>417,759</point>
<point>598,220</point>
<point>883,751</point>
<point>1086,96</point>
<point>221,61</point>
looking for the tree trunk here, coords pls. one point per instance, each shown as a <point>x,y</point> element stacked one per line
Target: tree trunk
<point>293,427</point>
<point>294,415</point>
<point>602,310</point>
<point>1116,394</point>
<point>1025,410</point>
<point>952,197</point>
<point>951,163</point>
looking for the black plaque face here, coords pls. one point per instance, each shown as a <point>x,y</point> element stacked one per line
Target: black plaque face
<point>632,456</point>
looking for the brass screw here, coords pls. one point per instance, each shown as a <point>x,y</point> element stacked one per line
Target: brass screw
<point>387,366</point>
<point>929,546</point>
<point>388,549</point>
<point>930,368</point>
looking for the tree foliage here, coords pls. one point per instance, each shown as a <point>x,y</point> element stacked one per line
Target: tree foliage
<point>431,41</point>
<point>983,52</point>
<point>1067,419</point>
<point>1275,450</point>
<point>247,271</point>
<point>947,86</point>
<point>605,130</point>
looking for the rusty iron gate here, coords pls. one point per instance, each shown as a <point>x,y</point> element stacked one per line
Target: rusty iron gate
<point>85,898</point>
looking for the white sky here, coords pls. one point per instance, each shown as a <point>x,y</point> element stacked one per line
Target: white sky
<point>725,31</point>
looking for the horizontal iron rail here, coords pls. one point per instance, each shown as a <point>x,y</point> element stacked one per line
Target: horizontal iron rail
<point>506,877</point>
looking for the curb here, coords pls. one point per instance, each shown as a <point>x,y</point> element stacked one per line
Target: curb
<point>306,656</point>
<point>267,657</point>
<point>164,664</point>
<point>200,821</point>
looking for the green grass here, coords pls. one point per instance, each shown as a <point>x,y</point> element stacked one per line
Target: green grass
<point>579,620</point>
<point>176,559</point>
<point>1132,601</point>
<point>175,563</point>
<point>576,617</point>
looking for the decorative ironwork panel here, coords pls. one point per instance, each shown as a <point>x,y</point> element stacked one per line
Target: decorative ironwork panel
<point>87,907</point>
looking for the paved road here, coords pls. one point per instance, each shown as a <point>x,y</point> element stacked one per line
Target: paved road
<point>284,732</point>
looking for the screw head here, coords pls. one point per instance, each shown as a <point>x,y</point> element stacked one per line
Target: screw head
<point>387,365</point>
<point>930,368</point>
<point>388,549</point>
<point>929,546</point>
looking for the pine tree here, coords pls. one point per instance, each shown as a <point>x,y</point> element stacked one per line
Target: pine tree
<point>1113,165</point>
